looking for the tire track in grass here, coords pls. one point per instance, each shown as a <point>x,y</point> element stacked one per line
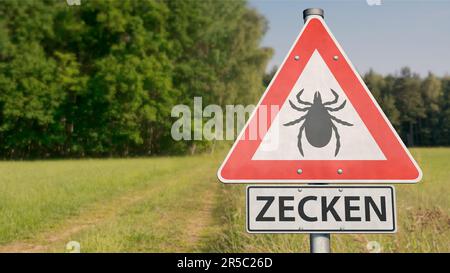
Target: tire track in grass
<point>174,220</point>
<point>200,223</point>
<point>88,218</point>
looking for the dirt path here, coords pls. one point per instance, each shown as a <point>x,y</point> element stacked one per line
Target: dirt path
<point>88,218</point>
<point>201,221</point>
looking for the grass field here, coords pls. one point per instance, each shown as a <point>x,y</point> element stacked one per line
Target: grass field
<point>173,204</point>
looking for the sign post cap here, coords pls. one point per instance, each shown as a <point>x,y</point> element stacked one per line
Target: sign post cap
<point>312,11</point>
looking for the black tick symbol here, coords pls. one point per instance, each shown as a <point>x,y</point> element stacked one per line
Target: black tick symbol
<point>318,122</point>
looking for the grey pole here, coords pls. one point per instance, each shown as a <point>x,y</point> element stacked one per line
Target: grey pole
<point>311,12</point>
<point>319,242</point>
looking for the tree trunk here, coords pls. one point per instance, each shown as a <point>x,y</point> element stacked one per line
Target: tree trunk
<point>192,149</point>
<point>411,135</point>
<point>213,146</point>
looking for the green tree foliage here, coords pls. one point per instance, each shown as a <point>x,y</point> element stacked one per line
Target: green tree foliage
<point>443,128</point>
<point>407,89</point>
<point>101,78</point>
<point>382,90</point>
<point>432,94</point>
<point>416,107</point>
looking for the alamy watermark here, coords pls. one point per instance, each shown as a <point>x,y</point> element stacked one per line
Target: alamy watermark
<point>374,2</point>
<point>73,2</point>
<point>214,123</point>
<point>73,247</point>
<point>374,247</point>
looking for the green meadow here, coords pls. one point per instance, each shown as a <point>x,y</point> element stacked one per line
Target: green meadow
<point>176,204</point>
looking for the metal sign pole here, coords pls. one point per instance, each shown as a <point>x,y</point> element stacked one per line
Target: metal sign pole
<point>318,242</point>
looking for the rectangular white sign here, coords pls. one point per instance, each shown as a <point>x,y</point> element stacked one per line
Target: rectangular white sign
<point>321,209</point>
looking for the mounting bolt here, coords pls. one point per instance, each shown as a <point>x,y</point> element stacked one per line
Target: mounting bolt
<point>299,171</point>
<point>340,190</point>
<point>335,57</point>
<point>340,171</point>
<point>299,190</point>
<point>297,57</point>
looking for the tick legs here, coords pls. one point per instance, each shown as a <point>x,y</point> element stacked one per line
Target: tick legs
<point>336,97</point>
<point>336,133</point>
<point>295,121</point>
<point>338,139</point>
<point>299,143</point>
<point>340,121</point>
<point>337,108</point>
<point>300,100</point>
<point>298,108</point>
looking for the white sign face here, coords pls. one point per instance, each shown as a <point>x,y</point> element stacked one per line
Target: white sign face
<point>321,209</point>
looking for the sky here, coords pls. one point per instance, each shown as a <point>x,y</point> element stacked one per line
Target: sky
<point>384,37</point>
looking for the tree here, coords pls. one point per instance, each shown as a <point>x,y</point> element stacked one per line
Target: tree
<point>408,98</point>
<point>223,62</point>
<point>443,129</point>
<point>101,78</point>
<point>431,91</point>
<point>382,89</point>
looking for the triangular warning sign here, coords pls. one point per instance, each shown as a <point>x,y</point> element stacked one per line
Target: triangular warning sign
<point>318,122</point>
